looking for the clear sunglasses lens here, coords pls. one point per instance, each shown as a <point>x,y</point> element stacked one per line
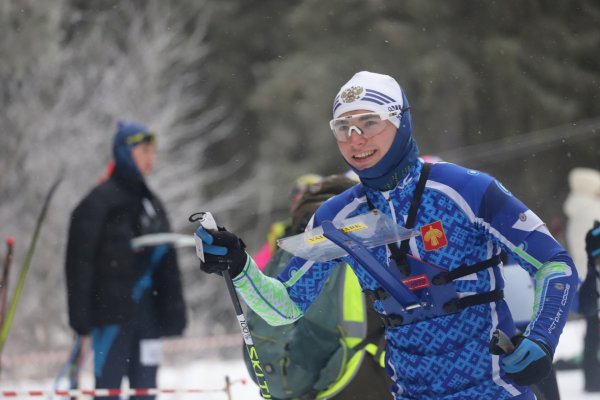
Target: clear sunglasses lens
<point>341,132</point>
<point>368,124</point>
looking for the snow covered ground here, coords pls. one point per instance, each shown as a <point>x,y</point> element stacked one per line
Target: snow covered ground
<point>210,374</point>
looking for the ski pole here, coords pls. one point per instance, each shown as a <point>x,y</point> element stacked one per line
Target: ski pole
<point>26,264</point>
<point>10,243</point>
<point>70,365</point>
<point>207,221</point>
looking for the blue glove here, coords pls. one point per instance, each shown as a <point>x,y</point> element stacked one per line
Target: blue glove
<point>529,363</point>
<point>222,250</point>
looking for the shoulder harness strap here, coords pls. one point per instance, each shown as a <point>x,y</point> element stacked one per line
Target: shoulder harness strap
<point>443,278</point>
<point>399,253</point>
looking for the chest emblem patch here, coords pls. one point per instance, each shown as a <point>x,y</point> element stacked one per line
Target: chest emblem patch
<point>433,236</point>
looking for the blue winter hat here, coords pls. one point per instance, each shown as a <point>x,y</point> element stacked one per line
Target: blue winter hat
<point>381,93</point>
<point>128,135</point>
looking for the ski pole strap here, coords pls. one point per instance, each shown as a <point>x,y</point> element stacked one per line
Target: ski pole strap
<point>464,270</point>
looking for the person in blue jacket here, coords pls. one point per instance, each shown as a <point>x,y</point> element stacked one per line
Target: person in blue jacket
<point>465,219</point>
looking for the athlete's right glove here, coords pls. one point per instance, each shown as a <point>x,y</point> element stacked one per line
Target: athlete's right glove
<point>222,250</point>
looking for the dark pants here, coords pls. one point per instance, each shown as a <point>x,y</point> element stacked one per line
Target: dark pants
<point>547,389</point>
<point>588,307</point>
<point>116,355</point>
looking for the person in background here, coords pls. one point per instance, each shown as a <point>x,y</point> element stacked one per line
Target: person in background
<point>126,299</point>
<point>588,306</point>
<point>465,219</point>
<point>582,208</point>
<point>589,302</point>
<point>281,228</point>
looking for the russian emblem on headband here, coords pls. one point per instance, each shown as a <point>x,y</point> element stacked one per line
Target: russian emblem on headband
<point>433,236</point>
<point>351,94</point>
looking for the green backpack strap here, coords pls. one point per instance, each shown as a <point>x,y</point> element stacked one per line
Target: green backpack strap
<point>377,350</point>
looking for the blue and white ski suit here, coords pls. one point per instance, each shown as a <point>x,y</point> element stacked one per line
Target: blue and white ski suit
<point>446,357</point>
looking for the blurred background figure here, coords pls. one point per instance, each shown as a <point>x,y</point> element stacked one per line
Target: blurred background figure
<point>278,229</point>
<point>582,208</point>
<point>126,299</point>
<point>589,309</point>
<point>337,350</point>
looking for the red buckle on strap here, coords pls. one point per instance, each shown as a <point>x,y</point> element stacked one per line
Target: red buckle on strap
<point>416,282</point>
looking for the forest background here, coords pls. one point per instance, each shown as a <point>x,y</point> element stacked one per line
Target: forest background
<point>240,93</point>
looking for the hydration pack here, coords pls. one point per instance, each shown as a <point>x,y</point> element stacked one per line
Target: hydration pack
<point>306,357</point>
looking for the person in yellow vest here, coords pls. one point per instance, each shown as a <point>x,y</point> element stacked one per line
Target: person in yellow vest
<point>278,229</point>
<point>337,350</point>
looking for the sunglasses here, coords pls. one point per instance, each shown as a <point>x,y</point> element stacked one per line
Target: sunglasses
<point>141,137</point>
<point>367,124</point>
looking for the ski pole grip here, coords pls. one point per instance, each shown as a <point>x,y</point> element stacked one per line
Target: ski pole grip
<point>205,219</point>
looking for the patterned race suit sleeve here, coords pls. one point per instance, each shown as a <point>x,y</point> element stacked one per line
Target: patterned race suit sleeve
<point>267,296</point>
<point>520,232</point>
<point>284,299</point>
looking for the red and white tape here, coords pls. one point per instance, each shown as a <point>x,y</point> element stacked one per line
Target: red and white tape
<point>109,392</point>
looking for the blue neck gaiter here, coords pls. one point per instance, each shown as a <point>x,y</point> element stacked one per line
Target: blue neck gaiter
<point>397,162</point>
